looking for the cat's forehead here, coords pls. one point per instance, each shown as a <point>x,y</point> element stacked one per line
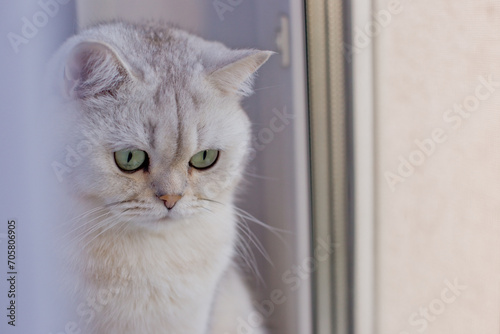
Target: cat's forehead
<point>171,120</point>
<point>171,92</point>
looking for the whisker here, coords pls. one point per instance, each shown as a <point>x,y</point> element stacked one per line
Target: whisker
<point>262,177</point>
<point>90,229</point>
<point>267,87</point>
<point>85,224</point>
<point>246,216</point>
<point>244,246</point>
<point>118,221</point>
<point>243,214</point>
<point>254,240</point>
<point>276,231</point>
<point>211,200</point>
<point>244,250</point>
<point>202,207</point>
<point>86,214</point>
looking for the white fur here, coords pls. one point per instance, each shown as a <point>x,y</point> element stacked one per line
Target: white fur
<point>172,95</point>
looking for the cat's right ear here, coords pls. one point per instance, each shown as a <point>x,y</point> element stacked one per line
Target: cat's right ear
<point>93,68</point>
<point>235,76</point>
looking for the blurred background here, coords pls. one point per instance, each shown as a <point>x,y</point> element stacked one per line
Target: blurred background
<point>384,173</point>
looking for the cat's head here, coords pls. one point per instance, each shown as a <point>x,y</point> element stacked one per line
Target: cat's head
<point>158,112</point>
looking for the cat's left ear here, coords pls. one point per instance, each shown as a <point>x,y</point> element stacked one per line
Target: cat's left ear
<point>94,67</point>
<point>236,77</point>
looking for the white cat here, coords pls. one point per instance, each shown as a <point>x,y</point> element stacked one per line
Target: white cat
<point>158,113</point>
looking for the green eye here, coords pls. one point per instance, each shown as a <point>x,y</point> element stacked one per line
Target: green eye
<point>130,160</point>
<point>204,159</point>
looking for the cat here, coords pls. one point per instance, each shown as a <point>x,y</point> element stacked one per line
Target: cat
<point>157,112</point>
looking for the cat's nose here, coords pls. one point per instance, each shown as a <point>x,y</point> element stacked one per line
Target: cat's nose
<point>170,200</point>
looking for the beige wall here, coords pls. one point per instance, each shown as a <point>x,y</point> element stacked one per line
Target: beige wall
<point>441,221</point>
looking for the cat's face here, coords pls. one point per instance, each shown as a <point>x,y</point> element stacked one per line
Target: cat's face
<point>166,141</point>
<point>182,146</point>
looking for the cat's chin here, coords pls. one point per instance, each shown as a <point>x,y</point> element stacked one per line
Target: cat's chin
<point>159,219</point>
<point>172,217</point>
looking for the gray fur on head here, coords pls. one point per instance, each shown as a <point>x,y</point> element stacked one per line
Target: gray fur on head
<point>110,53</point>
<point>164,91</point>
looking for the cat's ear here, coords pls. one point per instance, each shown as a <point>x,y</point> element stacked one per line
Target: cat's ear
<point>93,68</point>
<point>236,76</point>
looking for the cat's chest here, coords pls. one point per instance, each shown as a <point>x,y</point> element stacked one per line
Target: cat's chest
<point>155,282</point>
<point>175,262</point>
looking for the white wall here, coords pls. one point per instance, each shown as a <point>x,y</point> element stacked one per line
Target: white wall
<point>28,185</point>
<point>440,222</point>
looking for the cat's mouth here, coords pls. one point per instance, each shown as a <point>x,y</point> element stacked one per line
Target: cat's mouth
<point>154,212</point>
<point>159,212</point>
<point>160,209</point>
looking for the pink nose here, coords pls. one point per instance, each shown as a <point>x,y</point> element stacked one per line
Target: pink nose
<point>170,200</point>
